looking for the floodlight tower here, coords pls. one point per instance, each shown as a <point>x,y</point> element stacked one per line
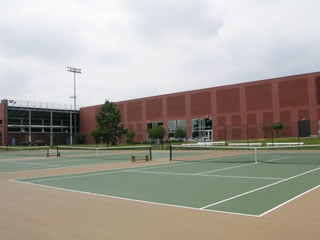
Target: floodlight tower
<point>75,71</point>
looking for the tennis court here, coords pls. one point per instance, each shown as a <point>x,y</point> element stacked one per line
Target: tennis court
<point>32,158</point>
<point>251,184</point>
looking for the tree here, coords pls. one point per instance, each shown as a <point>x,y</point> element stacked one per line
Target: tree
<point>276,127</point>
<point>81,138</point>
<point>156,132</point>
<point>266,130</point>
<point>180,133</point>
<point>130,135</point>
<point>96,135</point>
<point>109,128</point>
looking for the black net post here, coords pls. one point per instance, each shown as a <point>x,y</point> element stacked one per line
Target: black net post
<point>58,153</point>
<point>150,153</point>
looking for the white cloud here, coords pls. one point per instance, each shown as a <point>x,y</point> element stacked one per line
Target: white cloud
<point>136,48</point>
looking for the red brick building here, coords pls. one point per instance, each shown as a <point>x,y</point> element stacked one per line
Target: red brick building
<point>232,112</point>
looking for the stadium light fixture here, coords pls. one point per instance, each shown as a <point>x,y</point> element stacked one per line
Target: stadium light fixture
<point>74,71</point>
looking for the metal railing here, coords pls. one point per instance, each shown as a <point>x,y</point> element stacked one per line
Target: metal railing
<point>42,105</point>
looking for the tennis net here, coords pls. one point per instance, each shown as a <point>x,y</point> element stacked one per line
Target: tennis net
<point>21,152</point>
<point>306,154</point>
<point>107,153</point>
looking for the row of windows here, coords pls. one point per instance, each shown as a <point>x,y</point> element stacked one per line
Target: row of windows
<point>39,130</point>
<point>25,117</point>
<point>22,121</point>
<point>201,128</point>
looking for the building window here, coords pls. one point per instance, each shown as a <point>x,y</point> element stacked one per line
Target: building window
<point>202,129</point>
<point>151,125</point>
<point>177,129</point>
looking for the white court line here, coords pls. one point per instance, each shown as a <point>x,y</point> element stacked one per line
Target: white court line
<point>161,173</point>
<point>203,175</point>
<point>28,163</point>
<point>96,173</point>
<point>260,188</point>
<point>244,177</point>
<point>276,159</point>
<point>74,176</point>
<point>239,166</point>
<point>222,169</point>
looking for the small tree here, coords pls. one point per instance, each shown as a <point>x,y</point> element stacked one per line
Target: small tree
<point>81,138</point>
<point>266,129</point>
<point>109,128</point>
<point>96,135</point>
<point>157,132</point>
<point>276,127</point>
<point>180,133</point>
<point>130,135</point>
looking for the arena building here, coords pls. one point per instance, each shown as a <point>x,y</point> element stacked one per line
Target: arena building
<point>36,123</point>
<point>232,112</point>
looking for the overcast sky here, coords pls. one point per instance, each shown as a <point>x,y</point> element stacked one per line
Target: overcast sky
<point>130,49</point>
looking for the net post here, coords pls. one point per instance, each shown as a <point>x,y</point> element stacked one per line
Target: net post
<point>58,153</point>
<point>150,153</point>
<point>48,151</point>
<point>255,155</point>
<point>170,153</point>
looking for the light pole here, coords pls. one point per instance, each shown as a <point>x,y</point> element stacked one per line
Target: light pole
<point>75,71</point>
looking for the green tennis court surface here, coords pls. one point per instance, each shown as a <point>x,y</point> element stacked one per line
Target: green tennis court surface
<point>247,188</point>
<point>20,159</point>
<point>44,163</point>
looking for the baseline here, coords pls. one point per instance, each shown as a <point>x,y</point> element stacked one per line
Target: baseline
<point>131,199</point>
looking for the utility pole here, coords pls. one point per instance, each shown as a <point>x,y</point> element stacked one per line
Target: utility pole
<point>74,71</point>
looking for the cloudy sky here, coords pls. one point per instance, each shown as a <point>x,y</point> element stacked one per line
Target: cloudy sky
<point>129,49</point>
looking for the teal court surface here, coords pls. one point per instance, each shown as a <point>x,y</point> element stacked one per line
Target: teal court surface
<point>29,158</point>
<point>231,184</point>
